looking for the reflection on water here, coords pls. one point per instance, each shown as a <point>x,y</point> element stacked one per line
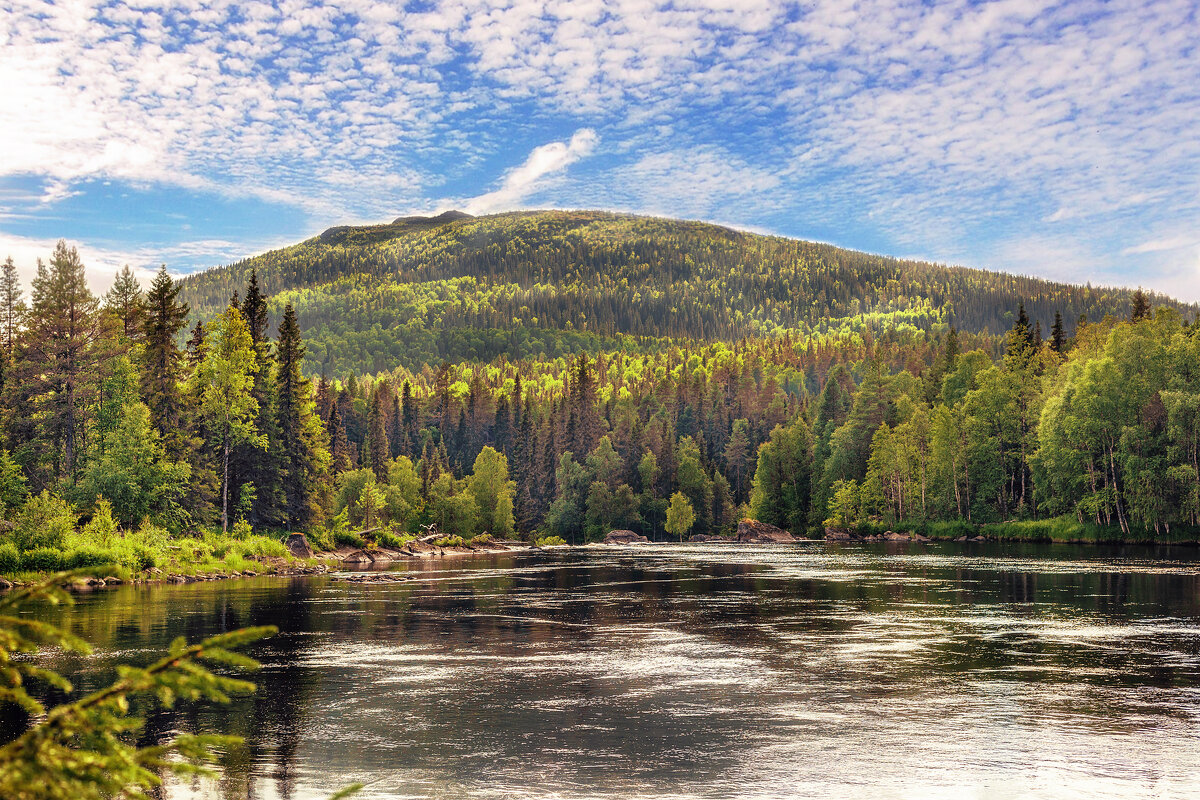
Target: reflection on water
<point>711,671</point>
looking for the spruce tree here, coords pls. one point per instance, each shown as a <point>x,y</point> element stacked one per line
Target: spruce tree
<point>377,439</point>
<point>59,350</point>
<point>12,306</point>
<point>302,439</point>
<point>163,317</point>
<point>1139,307</point>
<point>124,299</point>
<point>1058,339</point>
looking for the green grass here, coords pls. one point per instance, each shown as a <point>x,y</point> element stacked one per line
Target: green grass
<point>127,554</point>
<point>1055,529</point>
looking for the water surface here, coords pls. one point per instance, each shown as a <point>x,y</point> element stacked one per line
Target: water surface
<point>708,671</point>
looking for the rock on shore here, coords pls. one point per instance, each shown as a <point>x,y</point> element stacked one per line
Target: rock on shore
<point>625,537</point>
<point>751,531</point>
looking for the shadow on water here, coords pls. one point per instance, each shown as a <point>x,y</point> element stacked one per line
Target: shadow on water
<point>699,671</point>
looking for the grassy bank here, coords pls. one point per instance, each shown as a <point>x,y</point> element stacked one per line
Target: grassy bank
<point>1054,529</point>
<point>46,537</point>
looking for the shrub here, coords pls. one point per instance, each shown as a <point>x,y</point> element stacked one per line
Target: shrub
<point>43,559</point>
<point>389,539</point>
<point>45,522</point>
<point>482,539</point>
<point>241,529</point>
<point>144,558</point>
<point>347,538</point>
<point>101,528</point>
<point>320,540</point>
<point>550,541</point>
<point>10,559</point>
<point>89,556</point>
<point>262,547</point>
<point>448,541</point>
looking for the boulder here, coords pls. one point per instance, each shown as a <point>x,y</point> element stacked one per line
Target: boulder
<point>297,545</point>
<point>358,557</point>
<point>892,536</point>
<point>625,537</point>
<point>751,531</point>
<point>838,535</point>
<point>705,537</point>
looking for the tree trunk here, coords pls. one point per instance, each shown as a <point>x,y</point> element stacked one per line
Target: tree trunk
<point>225,490</point>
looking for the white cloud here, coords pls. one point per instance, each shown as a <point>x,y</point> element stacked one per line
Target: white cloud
<point>519,183</point>
<point>951,127</point>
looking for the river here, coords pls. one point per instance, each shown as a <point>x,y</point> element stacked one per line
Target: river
<point>708,671</point>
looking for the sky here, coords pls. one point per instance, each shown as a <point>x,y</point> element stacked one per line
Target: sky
<point>1052,139</point>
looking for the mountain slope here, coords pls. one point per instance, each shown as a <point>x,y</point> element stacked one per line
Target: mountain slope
<point>422,290</point>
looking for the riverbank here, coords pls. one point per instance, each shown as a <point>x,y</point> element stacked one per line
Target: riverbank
<point>278,561</point>
<point>1057,530</point>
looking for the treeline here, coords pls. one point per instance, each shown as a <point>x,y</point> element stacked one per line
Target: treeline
<point>552,283</point>
<point>124,409</point>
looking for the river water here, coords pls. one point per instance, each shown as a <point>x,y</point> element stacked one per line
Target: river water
<point>708,671</point>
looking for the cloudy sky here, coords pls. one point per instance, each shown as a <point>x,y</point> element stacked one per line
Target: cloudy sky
<point>1057,139</point>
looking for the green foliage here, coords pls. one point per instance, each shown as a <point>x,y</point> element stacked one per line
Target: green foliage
<point>13,486</point>
<point>550,541</point>
<point>45,522</point>
<point>80,749</point>
<point>493,492</point>
<point>550,283</point>
<point>133,473</point>
<point>680,516</point>
<point>782,479</point>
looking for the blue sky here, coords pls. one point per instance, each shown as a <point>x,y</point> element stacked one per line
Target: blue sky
<point>1056,139</point>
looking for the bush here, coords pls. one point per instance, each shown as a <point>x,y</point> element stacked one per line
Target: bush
<point>241,529</point>
<point>144,558</point>
<point>389,539</point>
<point>43,559</point>
<point>550,541</point>
<point>448,541</point>
<point>101,528</point>
<point>10,559</point>
<point>262,547</point>
<point>347,538</point>
<point>482,539</point>
<point>320,540</point>
<point>45,522</point>
<point>89,556</point>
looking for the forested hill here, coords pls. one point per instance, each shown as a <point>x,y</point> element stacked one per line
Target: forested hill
<point>423,290</point>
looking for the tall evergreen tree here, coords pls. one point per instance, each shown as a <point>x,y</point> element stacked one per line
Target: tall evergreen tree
<point>163,317</point>
<point>59,350</point>
<point>305,457</point>
<point>377,439</point>
<point>124,299</point>
<point>1058,338</point>
<point>12,306</point>
<point>1139,307</point>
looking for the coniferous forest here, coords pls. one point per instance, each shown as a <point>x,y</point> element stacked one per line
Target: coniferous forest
<point>564,375</point>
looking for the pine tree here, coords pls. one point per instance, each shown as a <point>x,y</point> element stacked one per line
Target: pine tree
<point>377,440</point>
<point>302,447</point>
<point>339,445</point>
<point>163,317</point>
<point>12,306</point>
<point>261,466</point>
<point>59,350</point>
<point>1140,306</point>
<point>125,300</point>
<point>1058,339</point>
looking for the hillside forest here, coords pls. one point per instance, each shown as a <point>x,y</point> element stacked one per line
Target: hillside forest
<point>128,420</point>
